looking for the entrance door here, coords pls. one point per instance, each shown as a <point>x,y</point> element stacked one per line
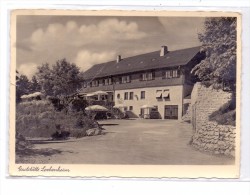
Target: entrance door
<point>171,112</point>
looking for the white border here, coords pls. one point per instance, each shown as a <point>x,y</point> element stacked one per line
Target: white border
<point>65,186</point>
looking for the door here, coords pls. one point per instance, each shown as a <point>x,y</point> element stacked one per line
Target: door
<point>171,112</point>
<point>142,113</point>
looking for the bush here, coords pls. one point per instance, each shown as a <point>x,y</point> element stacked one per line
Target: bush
<point>60,135</point>
<point>40,119</point>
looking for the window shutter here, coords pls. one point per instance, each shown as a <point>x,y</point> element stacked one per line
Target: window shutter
<point>153,75</point>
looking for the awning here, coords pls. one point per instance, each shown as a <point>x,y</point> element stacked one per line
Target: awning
<point>147,106</point>
<point>100,93</point>
<point>119,106</point>
<point>165,94</point>
<point>32,95</point>
<point>96,108</point>
<point>158,94</point>
<point>82,93</point>
<point>90,95</point>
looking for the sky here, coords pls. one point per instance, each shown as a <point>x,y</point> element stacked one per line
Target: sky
<point>89,40</point>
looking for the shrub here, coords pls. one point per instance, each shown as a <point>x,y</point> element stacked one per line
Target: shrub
<point>60,135</point>
<point>40,119</point>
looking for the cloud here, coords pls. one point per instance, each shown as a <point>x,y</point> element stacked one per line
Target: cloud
<point>28,69</point>
<point>72,34</point>
<point>86,59</point>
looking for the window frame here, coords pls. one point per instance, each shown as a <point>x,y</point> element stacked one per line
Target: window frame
<point>131,97</point>
<point>125,95</point>
<point>144,95</point>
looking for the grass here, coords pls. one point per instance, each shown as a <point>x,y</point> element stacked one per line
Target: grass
<point>226,115</point>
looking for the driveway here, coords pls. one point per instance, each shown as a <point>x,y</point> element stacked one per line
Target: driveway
<point>129,142</point>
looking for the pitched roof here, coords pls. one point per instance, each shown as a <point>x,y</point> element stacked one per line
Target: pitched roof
<point>142,62</point>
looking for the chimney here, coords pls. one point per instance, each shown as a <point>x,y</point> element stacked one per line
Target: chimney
<point>164,50</point>
<point>118,59</point>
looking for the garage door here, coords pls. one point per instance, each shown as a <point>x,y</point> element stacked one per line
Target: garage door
<point>171,112</point>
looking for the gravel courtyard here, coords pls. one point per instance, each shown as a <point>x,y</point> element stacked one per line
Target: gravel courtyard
<point>137,141</point>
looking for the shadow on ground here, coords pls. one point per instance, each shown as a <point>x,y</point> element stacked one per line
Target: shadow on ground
<point>38,152</point>
<point>50,141</point>
<point>108,124</point>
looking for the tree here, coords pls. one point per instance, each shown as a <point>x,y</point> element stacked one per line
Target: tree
<point>22,87</point>
<point>219,44</point>
<point>61,78</point>
<point>34,85</point>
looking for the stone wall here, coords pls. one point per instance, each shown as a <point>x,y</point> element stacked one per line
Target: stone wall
<point>208,135</point>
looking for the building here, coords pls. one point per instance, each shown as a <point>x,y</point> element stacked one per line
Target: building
<point>151,85</point>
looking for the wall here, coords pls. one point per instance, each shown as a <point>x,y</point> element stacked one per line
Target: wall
<point>208,135</point>
<point>150,99</point>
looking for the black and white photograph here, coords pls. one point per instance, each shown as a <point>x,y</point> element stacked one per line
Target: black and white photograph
<point>125,89</point>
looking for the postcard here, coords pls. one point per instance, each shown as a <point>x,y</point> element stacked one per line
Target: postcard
<point>125,94</point>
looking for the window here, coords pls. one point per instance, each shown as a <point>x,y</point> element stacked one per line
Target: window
<point>166,94</point>
<point>130,108</point>
<point>110,81</point>
<point>126,96</point>
<point>144,76</point>
<point>147,76</point>
<point>94,83</point>
<point>126,79</point>
<point>131,95</point>
<point>118,96</point>
<point>150,76</point>
<point>158,94</point>
<point>142,94</point>
<point>125,108</point>
<point>106,82</point>
<point>84,84</point>
<point>175,74</point>
<point>171,74</point>
<point>101,81</point>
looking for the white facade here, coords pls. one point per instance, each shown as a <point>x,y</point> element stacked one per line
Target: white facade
<point>175,98</point>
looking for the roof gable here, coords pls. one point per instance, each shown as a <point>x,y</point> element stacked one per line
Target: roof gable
<point>142,62</point>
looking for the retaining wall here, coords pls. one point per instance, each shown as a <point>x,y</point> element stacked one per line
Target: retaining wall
<point>208,135</point>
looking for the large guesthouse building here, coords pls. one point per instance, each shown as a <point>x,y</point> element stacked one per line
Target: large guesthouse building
<point>151,85</point>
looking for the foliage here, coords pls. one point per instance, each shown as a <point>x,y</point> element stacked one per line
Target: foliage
<point>22,87</point>
<point>34,85</point>
<point>61,78</point>
<point>219,44</point>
